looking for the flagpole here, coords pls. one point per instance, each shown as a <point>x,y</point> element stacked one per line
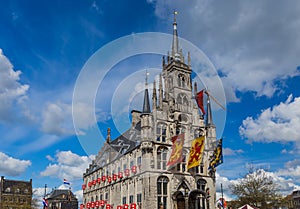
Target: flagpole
<point>45,194</point>
<point>222,196</point>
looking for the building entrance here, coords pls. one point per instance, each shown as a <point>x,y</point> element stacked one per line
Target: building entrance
<point>180,201</point>
<point>197,200</point>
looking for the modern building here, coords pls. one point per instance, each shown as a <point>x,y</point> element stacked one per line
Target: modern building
<point>131,171</point>
<point>62,199</point>
<point>15,194</point>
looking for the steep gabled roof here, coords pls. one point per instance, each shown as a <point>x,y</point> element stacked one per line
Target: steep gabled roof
<point>111,151</point>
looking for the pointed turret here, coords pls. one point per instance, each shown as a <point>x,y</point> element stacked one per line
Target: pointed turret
<point>209,119</point>
<point>175,44</point>
<point>160,92</point>
<point>146,105</point>
<point>154,97</point>
<point>210,127</point>
<point>195,89</point>
<point>146,117</point>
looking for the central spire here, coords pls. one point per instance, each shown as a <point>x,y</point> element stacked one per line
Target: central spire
<point>175,47</point>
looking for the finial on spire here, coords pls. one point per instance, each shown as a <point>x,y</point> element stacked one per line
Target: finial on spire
<point>189,59</point>
<point>146,79</point>
<point>108,136</point>
<point>175,47</point>
<point>175,13</point>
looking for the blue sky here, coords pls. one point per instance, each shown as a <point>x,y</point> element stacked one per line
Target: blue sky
<point>45,45</point>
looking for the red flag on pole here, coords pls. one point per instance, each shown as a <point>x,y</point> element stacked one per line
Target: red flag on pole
<point>199,100</point>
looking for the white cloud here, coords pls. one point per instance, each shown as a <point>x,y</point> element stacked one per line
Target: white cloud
<point>50,158</point>
<point>40,143</point>
<point>292,170</point>
<point>252,43</point>
<point>96,8</point>
<point>12,92</point>
<point>11,166</point>
<point>79,195</point>
<point>67,165</point>
<point>277,124</point>
<point>230,152</point>
<point>57,119</point>
<point>286,185</point>
<point>85,114</point>
<point>39,192</point>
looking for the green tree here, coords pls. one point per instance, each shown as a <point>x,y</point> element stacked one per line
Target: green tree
<point>256,188</point>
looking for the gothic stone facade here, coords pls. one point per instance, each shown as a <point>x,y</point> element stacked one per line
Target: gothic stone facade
<point>15,194</point>
<point>131,171</point>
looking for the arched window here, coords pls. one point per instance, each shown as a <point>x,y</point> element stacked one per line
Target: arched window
<point>181,80</point>
<point>162,192</point>
<point>161,132</point>
<point>162,158</point>
<point>201,184</point>
<point>183,118</point>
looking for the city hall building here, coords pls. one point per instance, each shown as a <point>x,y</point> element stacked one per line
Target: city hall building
<point>132,171</point>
